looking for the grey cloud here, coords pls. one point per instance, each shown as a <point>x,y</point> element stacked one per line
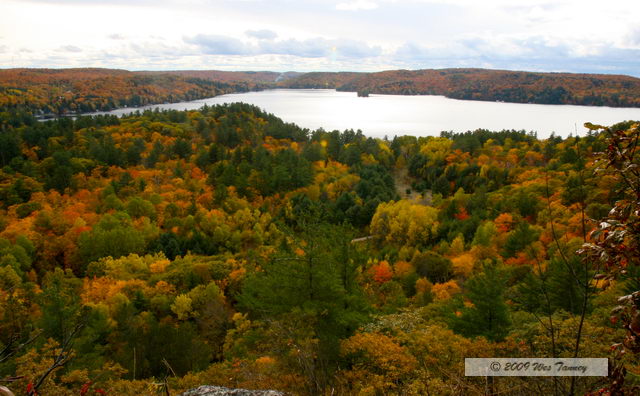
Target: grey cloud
<point>540,48</point>
<point>314,48</point>
<point>485,50</point>
<point>116,36</point>
<point>411,51</point>
<point>263,34</point>
<point>529,48</point>
<point>311,48</point>
<point>156,49</point>
<point>356,49</point>
<point>470,52</point>
<point>69,48</point>
<point>531,54</point>
<point>414,52</point>
<point>219,45</point>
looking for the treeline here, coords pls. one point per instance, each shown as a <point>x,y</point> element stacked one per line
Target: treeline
<point>487,85</point>
<point>255,77</point>
<point>55,92</point>
<point>320,80</point>
<point>170,249</point>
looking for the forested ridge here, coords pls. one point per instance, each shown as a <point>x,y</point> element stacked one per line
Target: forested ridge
<point>165,250</point>
<point>55,92</point>
<point>487,85</point>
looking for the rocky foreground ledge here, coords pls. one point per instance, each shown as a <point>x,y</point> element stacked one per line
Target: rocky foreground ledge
<point>207,390</point>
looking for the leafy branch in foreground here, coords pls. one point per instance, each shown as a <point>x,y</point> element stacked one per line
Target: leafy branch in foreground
<point>616,243</point>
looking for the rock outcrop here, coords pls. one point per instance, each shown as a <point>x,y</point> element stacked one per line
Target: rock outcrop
<point>207,390</point>
<point>5,391</point>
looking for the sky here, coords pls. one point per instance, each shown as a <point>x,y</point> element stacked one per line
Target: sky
<point>581,36</point>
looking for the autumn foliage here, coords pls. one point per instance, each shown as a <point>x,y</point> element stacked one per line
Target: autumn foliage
<point>241,250</point>
<point>487,85</point>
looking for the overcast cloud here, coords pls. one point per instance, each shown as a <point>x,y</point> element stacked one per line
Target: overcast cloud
<point>317,47</point>
<point>264,34</point>
<point>323,35</point>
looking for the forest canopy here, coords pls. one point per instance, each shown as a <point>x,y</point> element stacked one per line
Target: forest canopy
<point>170,249</point>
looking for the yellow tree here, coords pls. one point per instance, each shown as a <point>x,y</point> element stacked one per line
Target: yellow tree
<point>404,223</point>
<point>379,364</point>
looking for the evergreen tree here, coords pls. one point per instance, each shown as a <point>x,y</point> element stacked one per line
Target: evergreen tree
<point>60,304</point>
<point>489,314</point>
<point>431,265</point>
<point>565,284</point>
<point>313,280</point>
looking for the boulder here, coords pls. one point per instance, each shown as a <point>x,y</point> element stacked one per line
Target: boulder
<point>4,391</point>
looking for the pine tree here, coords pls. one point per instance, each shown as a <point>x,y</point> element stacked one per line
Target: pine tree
<point>311,282</point>
<point>316,276</point>
<point>488,316</point>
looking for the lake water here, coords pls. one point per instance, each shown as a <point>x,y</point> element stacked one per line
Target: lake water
<point>380,115</point>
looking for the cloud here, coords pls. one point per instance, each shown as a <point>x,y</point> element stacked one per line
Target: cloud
<point>3,49</point>
<point>356,5</point>
<point>69,48</point>
<point>534,48</point>
<point>313,48</point>
<point>101,2</point>
<point>263,34</point>
<point>535,53</point>
<point>415,52</point>
<point>499,3</point>
<point>356,49</point>
<point>411,51</point>
<point>157,49</point>
<point>478,47</point>
<point>633,38</point>
<point>525,34</point>
<point>219,45</point>
<point>533,13</point>
<point>310,48</point>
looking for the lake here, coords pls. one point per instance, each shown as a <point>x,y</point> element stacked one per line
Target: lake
<point>380,115</point>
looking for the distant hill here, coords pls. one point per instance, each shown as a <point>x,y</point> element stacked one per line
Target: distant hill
<point>260,77</point>
<point>63,91</point>
<point>321,80</point>
<point>70,91</point>
<point>482,84</point>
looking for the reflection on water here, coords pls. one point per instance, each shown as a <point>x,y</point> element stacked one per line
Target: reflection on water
<point>380,115</point>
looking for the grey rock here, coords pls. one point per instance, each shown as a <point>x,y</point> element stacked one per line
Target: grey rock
<point>5,391</point>
<point>208,390</point>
